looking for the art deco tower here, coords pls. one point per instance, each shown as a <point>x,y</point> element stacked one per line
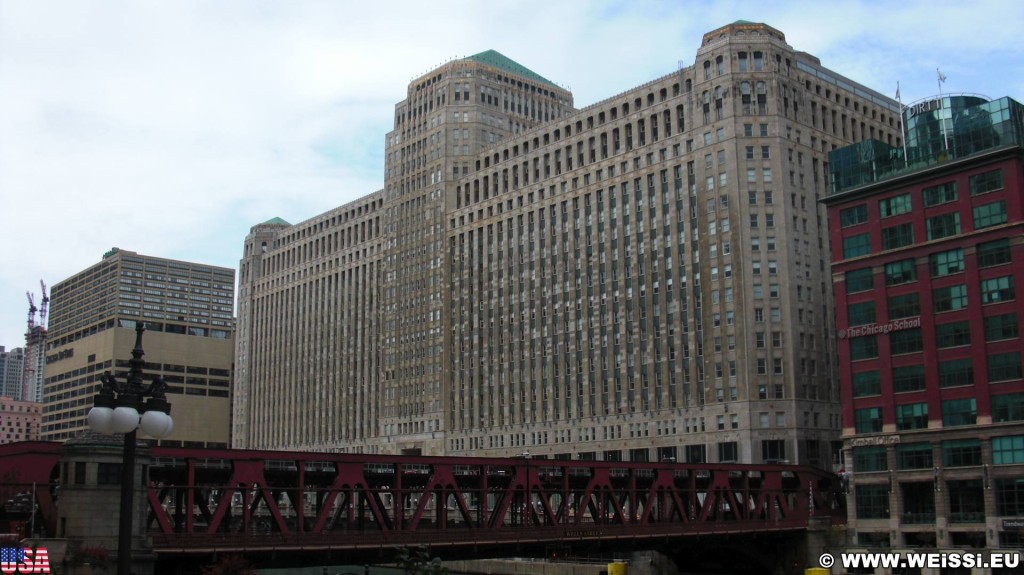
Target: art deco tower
<point>643,278</point>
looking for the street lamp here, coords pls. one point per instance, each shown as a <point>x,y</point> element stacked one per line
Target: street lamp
<point>119,408</point>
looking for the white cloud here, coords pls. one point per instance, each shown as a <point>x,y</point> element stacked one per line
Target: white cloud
<point>170,128</point>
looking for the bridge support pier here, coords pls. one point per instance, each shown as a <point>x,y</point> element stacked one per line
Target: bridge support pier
<point>90,494</point>
<point>820,537</point>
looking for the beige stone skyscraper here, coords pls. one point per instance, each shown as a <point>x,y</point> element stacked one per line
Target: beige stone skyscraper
<point>643,278</point>
<point>189,341</point>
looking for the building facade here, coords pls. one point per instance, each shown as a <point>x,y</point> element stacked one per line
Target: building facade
<point>642,278</point>
<point>19,420</point>
<point>187,312</point>
<point>12,366</point>
<point>924,273</point>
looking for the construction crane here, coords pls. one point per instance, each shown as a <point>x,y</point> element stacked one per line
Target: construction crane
<point>45,306</point>
<point>32,309</point>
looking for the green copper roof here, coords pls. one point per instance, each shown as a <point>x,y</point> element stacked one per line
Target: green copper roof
<point>744,22</point>
<point>278,221</point>
<point>502,62</point>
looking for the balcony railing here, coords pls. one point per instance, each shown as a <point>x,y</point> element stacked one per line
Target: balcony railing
<point>925,518</point>
<point>967,517</point>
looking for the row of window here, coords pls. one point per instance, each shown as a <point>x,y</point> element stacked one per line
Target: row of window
<point>951,373</point>
<point>940,264</point>
<point>966,504</point>
<point>932,196</point>
<point>953,334</point>
<point>955,412</point>
<point>954,453</point>
<point>947,335</point>
<point>936,227</point>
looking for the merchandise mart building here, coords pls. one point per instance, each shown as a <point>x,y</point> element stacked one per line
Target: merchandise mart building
<point>645,278</point>
<point>930,352</point>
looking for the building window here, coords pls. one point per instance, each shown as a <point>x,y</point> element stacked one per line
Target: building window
<point>897,236</point>
<point>1003,326</point>
<point>108,474</point>
<point>986,182</point>
<point>908,378</point>
<point>959,412</point>
<point>773,450</point>
<point>872,502</point>
<point>861,313</point>
<point>961,452</point>
<point>870,458</point>
<point>953,334</point>
<point>966,502</point>
<point>868,420</point>
<point>939,194</point>
<point>1007,407</point>
<point>914,456</point>
<point>906,341</point>
<point>901,272</point>
<point>859,280</point>
<point>912,416</point>
<point>907,305</point>
<point>728,452</point>
<point>894,206</point>
<point>865,347</point>
<point>1009,496</point>
<point>987,215</point>
<point>866,383</point>
<point>1004,366</point>
<point>853,246</point>
<point>994,253</point>
<point>956,372</point>
<point>949,298</point>
<point>946,263</point>
<point>852,216</point>
<point>1008,450</point>
<point>943,225</point>
<point>995,290</point>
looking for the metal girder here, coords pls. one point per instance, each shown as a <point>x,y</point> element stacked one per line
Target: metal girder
<point>220,499</point>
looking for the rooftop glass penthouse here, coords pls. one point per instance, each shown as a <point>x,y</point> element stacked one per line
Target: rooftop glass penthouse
<point>937,130</point>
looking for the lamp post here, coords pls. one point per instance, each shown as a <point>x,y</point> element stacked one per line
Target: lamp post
<point>119,408</point>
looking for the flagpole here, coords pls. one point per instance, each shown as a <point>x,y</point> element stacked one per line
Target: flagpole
<point>945,140</point>
<point>903,128</point>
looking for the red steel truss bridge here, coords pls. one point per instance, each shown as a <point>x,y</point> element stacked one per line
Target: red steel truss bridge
<point>213,500</point>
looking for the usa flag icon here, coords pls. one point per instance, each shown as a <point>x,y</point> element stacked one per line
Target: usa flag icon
<point>21,560</point>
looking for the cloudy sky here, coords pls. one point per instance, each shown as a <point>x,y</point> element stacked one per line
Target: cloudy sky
<point>170,128</point>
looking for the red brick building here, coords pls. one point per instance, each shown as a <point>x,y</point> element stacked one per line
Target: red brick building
<point>928,248</point>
